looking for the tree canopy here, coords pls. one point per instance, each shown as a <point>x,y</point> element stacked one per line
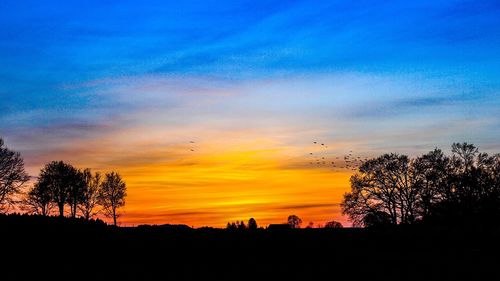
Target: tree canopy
<point>12,175</point>
<point>394,189</point>
<point>294,221</point>
<point>112,195</point>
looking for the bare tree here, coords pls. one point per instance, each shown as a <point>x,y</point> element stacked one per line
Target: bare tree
<point>76,189</point>
<point>294,221</point>
<point>384,184</point>
<point>90,194</point>
<point>112,195</point>
<point>12,175</point>
<point>431,171</point>
<point>38,200</point>
<point>392,189</point>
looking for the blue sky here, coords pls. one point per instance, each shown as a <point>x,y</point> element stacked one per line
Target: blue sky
<point>62,62</point>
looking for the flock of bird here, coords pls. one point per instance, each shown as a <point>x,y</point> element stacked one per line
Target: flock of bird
<point>322,157</point>
<point>348,161</point>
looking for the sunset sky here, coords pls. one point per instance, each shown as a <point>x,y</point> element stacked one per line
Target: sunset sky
<point>129,85</point>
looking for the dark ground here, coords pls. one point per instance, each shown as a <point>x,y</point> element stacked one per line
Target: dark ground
<point>35,248</point>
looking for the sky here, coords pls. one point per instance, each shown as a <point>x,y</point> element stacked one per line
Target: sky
<point>209,109</point>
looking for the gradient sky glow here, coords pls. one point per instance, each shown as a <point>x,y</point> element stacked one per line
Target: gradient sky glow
<point>126,85</point>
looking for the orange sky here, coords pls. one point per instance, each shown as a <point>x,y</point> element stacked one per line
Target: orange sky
<point>252,144</point>
<point>251,151</point>
<point>252,87</point>
<point>232,175</point>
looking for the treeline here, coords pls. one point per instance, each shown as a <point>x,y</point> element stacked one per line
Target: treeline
<point>26,220</point>
<point>59,185</point>
<point>251,225</point>
<point>394,189</point>
<point>293,222</point>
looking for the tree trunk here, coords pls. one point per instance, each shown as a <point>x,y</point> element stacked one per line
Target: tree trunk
<point>61,210</point>
<point>114,216</point>
<point>73,210</point>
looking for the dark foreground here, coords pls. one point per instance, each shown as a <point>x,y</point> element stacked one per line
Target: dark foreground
<point>53,249</point>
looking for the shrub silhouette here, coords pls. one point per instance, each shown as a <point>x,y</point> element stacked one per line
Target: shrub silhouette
<point>333,224</point>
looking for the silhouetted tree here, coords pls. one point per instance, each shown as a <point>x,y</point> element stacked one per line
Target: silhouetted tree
<point>12,175</point>
<point>383,184</point>
<point>473,191</point>
<point>231,226</point>
<point>392,189</point>
<point>432,178</point>
<point>242,225</point>
<point>333,224</point>
<point>252,224</point>
<point>76,192</point>
<point>64,182</point>
<point>90,193</point>
<point>377,219</point>
<point>38,200</point>
<point>310,225</point>
<point>294,221</point>
<point>112,195</point>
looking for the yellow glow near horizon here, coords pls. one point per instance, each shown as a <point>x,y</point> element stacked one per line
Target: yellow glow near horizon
<point>215,180</point>
<point>232,184</point>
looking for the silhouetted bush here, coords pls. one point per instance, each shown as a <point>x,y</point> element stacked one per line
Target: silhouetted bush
<point>333,224</point>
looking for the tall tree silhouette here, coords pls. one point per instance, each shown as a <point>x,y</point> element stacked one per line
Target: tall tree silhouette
<point>431,171</point>
<point>64,182</point>
<point>12,175</point>
<point>76,191</point>
<point>38,200</point>
<point>383,184</point>
<point>112,195</point>
<point>90,193</point>
<point>294,221</point>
